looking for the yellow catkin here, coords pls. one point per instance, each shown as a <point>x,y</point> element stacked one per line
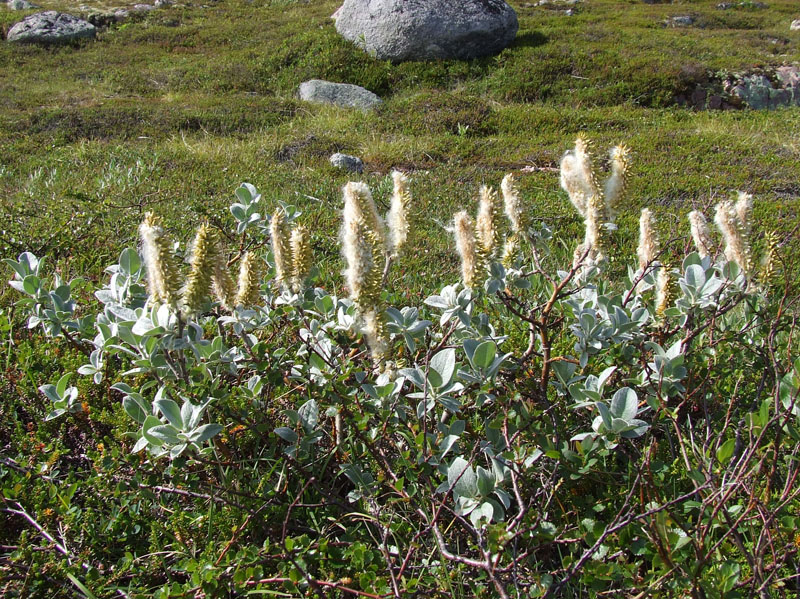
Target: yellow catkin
<point>248,292</point>
<point>222,284</point>
<point>281,251</point>
<point>397,219</point>
<point>363,245</point>
<point>163,273</point>
<point>301,257</point>
<point>201,268</point>
<point>662,296</point>
<point>770,258</point>
<point>467,248</point>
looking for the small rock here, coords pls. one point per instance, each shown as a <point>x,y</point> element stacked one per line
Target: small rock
<point>50,27</point>
<point>162,3</point>
<point>680,21</point>
<point>21,5</point>
<point>569,12</point>
<point>347,162</point>
<point>121,14</point>
<point>795,26</point>
<point>725,5</point>
<point>143,7</point>
<point>345,95</point>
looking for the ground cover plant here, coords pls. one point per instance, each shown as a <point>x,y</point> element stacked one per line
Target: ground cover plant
<point>554,394</point>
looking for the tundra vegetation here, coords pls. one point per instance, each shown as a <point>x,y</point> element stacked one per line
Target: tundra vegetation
<point>231,371</point>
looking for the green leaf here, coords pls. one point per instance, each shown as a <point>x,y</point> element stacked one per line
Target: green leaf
<point>205,432</point>
<point>309,415</point>
<point>484,355</point>
<point>287,434</point>
<point>171,410</point>
<point>725,451</point>
<point>444,363</point>
<point>149,423</point>
<point>486,481</point>
<point>50,393</point>
<point>166,433</point>
<point>61,385</point>
<point>462,478</point>
<point>134,409</point>
<point>625,404</point>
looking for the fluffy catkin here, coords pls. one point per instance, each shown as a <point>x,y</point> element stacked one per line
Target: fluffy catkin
<point>662,291</point>
<point>701,234</point>
<point>736,248</point>
<point>201,268</point>
<point>744,210</point>
<point>648,243</point>
<point>362,245</point>
<point>301,257</point>
<point>163,273</point>
<point>770,258</point>
<point>572,183</point>
<point>584,161</point>
<point>617,182</point>
<point>397,220</point>
<point>513,205</point>
<point>375,333</point>
<point>593,239</point>
<point>486,224</point>
<point>467,248</point>
<point>281,251</point>
<point>248,292</point>
<point>222,283</point>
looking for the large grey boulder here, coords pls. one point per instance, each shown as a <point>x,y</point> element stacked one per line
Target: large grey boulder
<point>345,95</point>
<point>400,30</point>
<point>50,27</point>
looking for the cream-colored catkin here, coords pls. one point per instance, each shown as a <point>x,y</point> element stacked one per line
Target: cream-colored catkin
<point>397,219</point>
<point>301,257</point>
<point>281,250</point>
<point>515,212</point>
<point>662,295</point>
<point>593,239</point>
<point>701,235</point>
<point>648,242</point>
<point>584,161</point>
<point>161,265</point>
<point>222,285</point>
<point>467,248</point>
<point>744,211</point>
<point>572,183</point>
<point>770,258</point>
<point>486,224</point>
<point>375,334</point>
<point>736,247</point>
<point>617,183</point>
<point>248,292</point>
<point>201,268</point>
<point>363,247</point>
<point>360,205</point>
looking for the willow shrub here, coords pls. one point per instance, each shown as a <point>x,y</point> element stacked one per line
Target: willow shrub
<point>544,431</point>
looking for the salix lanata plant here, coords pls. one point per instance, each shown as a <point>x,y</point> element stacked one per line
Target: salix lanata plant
<point>732,220</point>
<point>291,251</point>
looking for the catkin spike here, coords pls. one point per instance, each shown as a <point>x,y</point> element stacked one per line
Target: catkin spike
<point>301,257</point>
<point>397,219</point>
<point>513,205</point>
<point>648,242</point>
<point>363,245</point>
<point>248,291</point>
<point>662,295</point>
<point>593,239</point>
<point>161,265</point>
<point>281,250</point>
<point>486,224</point>
<point>736,246</point>
<point>744,211</point>
<point>467,248</point>
<point>617,183</point>
<point>201,268</point>
<point>701,234</point>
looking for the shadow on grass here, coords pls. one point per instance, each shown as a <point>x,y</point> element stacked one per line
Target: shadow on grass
<point>529,39</point>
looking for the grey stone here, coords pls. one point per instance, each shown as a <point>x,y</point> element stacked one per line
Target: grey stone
<point>345,95</point>
<point>347,162</point>
<point>143,7</point>
<point>50,27</point>
<point>400,30</point>
<point>680,21</point>
<point>21,5</point>
<point>795,25</point>
<point>161,3</point>
<point>759,92</point>
<point>121,14</point>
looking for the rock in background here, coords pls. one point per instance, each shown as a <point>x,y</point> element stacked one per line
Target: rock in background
<point>400,30</point>
<point>344,95</point>
<point>50,27</point>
